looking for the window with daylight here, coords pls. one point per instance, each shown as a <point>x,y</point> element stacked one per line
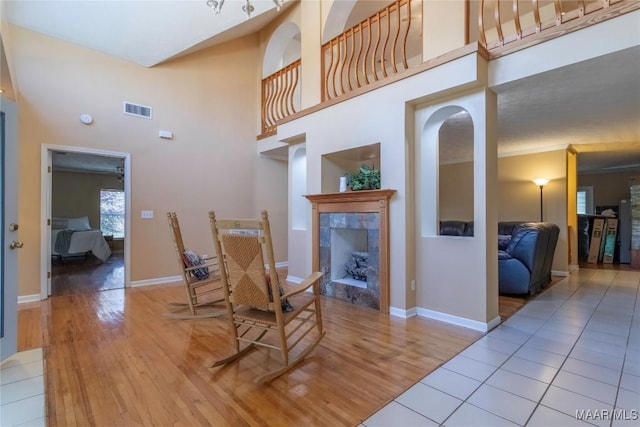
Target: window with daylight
<point>584,200</point>
<point>112,213</point>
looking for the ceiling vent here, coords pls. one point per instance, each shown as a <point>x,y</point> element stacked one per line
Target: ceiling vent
<point>137,110</point>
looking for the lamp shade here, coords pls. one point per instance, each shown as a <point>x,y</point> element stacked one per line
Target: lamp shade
<point>541,182</point>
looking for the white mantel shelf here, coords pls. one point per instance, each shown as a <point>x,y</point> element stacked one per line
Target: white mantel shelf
<point>357,201</point>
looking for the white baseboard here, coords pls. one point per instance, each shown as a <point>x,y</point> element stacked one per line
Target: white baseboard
<point>156,281</point>
<point>459,321</point>
<point>573,267</point>
<point>400,312</point>
<point>28,298</point>
<point>560,273</point>
<point>294,279</point>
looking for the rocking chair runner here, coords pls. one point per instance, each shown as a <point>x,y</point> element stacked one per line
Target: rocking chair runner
<point>255,304</point>
<point>205,297</point>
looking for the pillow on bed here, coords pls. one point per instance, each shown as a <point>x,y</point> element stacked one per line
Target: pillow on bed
<point>79,224</point>
<point>192,259</point>
<point>59,223</point>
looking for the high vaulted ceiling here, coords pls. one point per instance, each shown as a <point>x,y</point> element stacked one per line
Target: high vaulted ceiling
<point>141,31</point>
<point>593,105</point>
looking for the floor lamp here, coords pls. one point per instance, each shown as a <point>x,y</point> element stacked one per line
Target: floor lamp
<point>541,182</point>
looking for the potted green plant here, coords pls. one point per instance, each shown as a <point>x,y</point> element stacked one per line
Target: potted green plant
<point>367,178</point>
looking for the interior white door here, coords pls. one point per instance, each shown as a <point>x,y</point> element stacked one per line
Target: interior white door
<point>10,243</point>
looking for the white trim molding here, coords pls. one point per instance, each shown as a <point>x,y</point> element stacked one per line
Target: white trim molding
<point>28,298</point>
<point>459,321</point>
<point>46,151</point>
<point>561,273</point>
<point>156,281</point>
<point>294,279</point>
<point>400,312</point>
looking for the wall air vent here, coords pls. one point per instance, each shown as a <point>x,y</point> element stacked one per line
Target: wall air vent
<point>137,110</point>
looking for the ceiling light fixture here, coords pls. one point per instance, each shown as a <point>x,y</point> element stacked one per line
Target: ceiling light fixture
<point>247,7</point>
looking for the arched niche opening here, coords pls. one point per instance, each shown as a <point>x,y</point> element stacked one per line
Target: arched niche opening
<point>446,172</point>
<point>299,205</point>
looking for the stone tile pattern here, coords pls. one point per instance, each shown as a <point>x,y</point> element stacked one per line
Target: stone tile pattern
<point>369,297</point>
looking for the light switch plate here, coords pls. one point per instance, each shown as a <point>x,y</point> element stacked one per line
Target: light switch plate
<point>146,214</point>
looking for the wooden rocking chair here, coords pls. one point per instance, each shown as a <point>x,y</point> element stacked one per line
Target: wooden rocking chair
<point>201,276</point>
<point>261,312</point>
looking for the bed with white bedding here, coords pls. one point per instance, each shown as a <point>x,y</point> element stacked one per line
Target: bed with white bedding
<point>74,237</point>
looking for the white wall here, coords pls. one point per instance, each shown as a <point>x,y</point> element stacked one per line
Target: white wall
<point>299,213</point>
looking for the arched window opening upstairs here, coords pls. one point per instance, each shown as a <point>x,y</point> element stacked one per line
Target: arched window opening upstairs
<point>281,76</point>
<point>368,41</point>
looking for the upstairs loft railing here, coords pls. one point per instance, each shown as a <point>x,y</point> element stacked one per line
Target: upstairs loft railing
<point>390,41</point>
<point>280,96</point>
<point>369,51</point>
<point>502,22</point>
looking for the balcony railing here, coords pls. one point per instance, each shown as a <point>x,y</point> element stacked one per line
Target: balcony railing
<point>390,41</point>
<point>280,96</point>
<point>367,52</point>
<point>502,22</point>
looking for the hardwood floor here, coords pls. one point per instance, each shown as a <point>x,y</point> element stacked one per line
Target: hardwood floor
<point>113,359</point>
<point>79,275</point>
<point>603,266</point>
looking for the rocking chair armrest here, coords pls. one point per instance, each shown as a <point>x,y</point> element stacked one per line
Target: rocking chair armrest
<point>312,280</point>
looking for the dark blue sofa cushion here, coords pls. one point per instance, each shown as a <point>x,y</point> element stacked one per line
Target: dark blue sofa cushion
<point>503,241</point>
<point>525,265</point>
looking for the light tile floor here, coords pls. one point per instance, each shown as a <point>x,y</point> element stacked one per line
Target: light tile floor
<point>570,357</point>
<point>22,390</point>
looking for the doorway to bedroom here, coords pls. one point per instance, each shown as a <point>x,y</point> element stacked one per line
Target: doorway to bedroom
<point>85,206</point>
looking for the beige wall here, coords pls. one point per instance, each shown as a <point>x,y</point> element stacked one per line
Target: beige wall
<point>444,21</point>
<point>76,194</point>
<point>210,164</point>
<point>271,194</point>
<point>456,192</point>
<point>608,188</point>
<point>519,197</point>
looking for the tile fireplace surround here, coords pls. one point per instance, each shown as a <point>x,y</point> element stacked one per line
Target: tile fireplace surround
<point>356,221</point>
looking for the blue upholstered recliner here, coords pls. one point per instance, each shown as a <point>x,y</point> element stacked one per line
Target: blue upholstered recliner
<point>524,266</point>
<point>525,252</point>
